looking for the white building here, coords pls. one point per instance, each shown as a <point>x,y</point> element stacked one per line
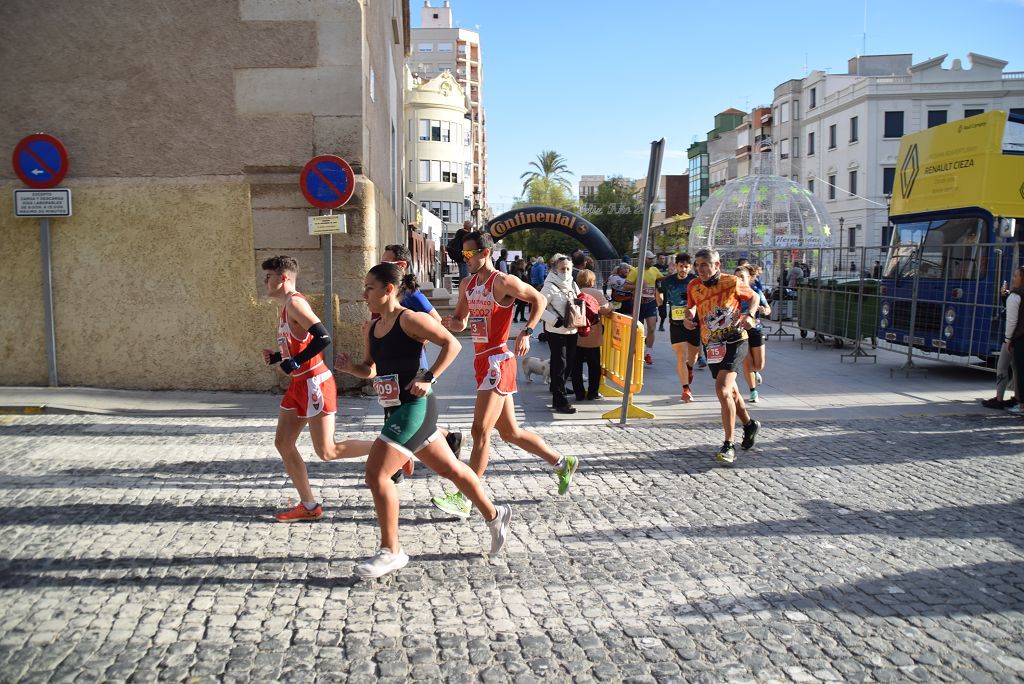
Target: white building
<point>437,47</point>
<point>435,147</point>
<point>588,186</point>
<point>839,134</point>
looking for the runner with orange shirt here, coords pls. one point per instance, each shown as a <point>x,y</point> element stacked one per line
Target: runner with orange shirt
<point>714,300</point>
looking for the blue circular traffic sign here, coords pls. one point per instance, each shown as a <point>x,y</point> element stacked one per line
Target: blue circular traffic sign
<point>40,160</point>
<point>327,181</point>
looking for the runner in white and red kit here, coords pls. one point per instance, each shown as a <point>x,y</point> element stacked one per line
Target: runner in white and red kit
<point>486,304</point>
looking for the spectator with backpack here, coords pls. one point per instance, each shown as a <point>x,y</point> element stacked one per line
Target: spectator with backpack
<point>562,317</point>
<point>588,346</point>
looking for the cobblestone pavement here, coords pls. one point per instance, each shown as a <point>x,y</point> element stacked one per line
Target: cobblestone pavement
<point>143,549</point>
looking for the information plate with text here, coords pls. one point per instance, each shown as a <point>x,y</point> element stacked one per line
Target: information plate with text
<point>42,203</point>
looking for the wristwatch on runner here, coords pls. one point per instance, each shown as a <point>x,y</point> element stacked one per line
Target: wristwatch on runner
<point>528,330</point>
<point>427,376</point>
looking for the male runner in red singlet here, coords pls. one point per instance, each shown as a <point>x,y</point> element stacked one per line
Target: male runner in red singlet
<point>311,396</point>
<point>486,304</point>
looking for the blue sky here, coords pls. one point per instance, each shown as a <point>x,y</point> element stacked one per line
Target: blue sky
<point>598,81</point>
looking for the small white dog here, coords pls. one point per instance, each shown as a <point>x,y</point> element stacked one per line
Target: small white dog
<point>534,366</point>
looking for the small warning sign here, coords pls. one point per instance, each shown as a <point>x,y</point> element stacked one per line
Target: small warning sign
<point>327,225</point>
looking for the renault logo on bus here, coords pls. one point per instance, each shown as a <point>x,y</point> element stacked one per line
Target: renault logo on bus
<point>908,173</point>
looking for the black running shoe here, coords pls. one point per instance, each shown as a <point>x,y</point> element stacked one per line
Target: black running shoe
<point>994,403</point>
<point>398,478</point>
<point>454,440</point>
<point>750,434</point>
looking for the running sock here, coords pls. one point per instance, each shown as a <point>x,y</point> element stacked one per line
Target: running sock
<point>727,444</point>
<point>310,505</point>
<point>750,423</point>
<point>560,464</point>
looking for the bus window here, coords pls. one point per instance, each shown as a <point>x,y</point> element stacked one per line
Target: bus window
<point>948,249</point>
<point>905,240</point>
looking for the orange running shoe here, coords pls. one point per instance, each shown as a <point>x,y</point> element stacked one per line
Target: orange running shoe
<point>687,395</point>
<point>300,513</point>
<point>407,468</point>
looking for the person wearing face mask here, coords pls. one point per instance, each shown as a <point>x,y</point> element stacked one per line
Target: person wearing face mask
<point>559,289</point>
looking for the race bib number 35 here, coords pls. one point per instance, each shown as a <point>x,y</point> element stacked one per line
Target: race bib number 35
<point>387,390</point>
<point>478,328</point>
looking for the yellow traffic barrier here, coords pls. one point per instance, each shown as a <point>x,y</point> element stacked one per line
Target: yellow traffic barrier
<point>614,357</point>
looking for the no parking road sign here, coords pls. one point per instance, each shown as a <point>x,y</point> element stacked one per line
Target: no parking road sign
<point>40,160</point>
<point>327,181</point>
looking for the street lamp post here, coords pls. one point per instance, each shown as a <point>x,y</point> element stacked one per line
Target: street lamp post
<point>476,208</point>
<point>836,263</point>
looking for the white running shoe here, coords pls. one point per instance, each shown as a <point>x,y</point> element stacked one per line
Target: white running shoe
<point>499,527</point>
<point>381,563</point>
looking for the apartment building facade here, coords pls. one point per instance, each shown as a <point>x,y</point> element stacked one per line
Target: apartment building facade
<point>437,45</point>
<point>838,134</point>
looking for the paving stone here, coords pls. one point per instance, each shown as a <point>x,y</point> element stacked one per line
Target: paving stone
<point>824,555</point>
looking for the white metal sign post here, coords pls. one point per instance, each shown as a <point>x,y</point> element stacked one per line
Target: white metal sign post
<point>650,197</point>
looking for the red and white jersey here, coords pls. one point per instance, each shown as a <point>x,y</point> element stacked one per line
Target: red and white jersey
<point>489,322</point>
<point>289,345</point>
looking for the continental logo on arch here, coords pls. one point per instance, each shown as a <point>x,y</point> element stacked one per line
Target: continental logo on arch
<point>547,219</point>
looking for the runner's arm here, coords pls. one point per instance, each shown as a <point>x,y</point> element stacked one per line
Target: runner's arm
<point>422,327</point>
<point>510,286</point>
<point>299,312</point>
<point>365,369</point>
<point>457,321</point>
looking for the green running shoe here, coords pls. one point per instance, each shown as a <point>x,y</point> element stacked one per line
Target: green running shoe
<point>726,455</point>
<point>454,503</point>
<point>565,473</point>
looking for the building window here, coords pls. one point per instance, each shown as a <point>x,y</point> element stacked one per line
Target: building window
<point>852,237</point>
<point>444,47</point>
<point>784,112</point>
<point>796,147</point>
<point>796,110</point>
<point>435,171</point>
<point>424,171</point>
<point>424,129</point>
<point>853,129</point>
<point>936,117</point>
<point>832,136</point>
<point>445,67</point>
<point>462,49</point>
<point>425,47</point>
<point>853,182</point>
<point>446,131</point>
<point>814,98</point>
<point>888,179</point>
<point>893,125</point>
<point>435,130</point>
<point>412,171</point>
<point>810,144</point>
<point>810,185</point>
<point>784,149</point>
<point>968,113</point>
<point>832,186</point>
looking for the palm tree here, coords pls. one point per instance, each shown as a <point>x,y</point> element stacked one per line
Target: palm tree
<point>549,166</point>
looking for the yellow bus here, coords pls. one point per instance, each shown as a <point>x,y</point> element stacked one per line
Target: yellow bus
<point>957,212</point>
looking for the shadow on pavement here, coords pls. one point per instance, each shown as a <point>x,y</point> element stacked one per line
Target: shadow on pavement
<point>145,571</point>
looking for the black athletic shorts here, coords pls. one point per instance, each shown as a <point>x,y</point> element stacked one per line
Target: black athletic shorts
<point>735,352</point>
<point>756,337</point>
<point>678,332</point>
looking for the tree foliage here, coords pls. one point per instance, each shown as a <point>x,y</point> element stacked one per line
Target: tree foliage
<point>617,210</point>
<point>547,193</point>
<point>549,166</point>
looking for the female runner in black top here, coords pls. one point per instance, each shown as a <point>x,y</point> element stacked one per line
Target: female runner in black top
<point>392,358</point>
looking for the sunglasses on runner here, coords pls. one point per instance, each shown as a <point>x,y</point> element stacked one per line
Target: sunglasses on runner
<point>469,253</point>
